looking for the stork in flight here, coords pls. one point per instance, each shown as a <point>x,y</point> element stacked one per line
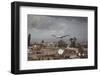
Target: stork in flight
<point>60,36</point>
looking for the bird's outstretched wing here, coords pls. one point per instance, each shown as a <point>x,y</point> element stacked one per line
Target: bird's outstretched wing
<point>54,36</point>
<point>60,36</point>
<point>64,36</point>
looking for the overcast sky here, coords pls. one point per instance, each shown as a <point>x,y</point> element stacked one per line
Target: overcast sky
<point>43,27</point>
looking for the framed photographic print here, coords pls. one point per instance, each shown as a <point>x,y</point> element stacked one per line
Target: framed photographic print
<point>52,37</point>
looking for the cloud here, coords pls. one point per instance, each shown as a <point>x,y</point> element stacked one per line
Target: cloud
<point>42,27</point>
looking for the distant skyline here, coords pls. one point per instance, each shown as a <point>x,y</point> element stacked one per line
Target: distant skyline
<point>42,27</point>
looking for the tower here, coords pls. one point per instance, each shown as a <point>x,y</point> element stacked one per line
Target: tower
<point>29,39</point>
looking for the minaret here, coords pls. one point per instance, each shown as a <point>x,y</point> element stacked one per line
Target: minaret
<point>29,39</point>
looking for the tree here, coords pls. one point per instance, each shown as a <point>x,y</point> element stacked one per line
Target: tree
<point>42,41</point>
<point>61,44</point>
<point>73,42</point>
